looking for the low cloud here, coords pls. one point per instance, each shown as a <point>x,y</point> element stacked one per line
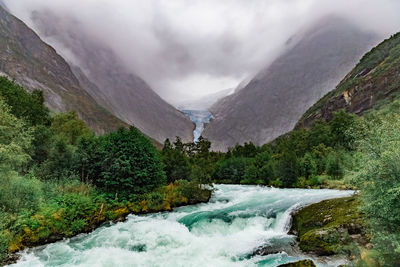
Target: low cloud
<point>188,48</point>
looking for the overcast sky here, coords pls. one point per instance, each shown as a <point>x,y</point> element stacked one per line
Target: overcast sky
<point>189,48</point>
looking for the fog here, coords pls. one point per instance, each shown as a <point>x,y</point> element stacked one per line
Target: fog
<point>186,49</point>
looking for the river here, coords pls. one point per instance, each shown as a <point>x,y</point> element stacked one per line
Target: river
<point>224,232</point>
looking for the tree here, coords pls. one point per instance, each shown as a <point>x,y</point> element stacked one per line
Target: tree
<point>60,162</point>
<point>334,166</point>
<point>320,133</point>
<point>262,169</point>
<point>15,140</point>
<point>130,164</point>
<point>298,141</point>
<point>340,125</point>
<point>231,169</point>
<point>203,147</point>
<point>380,184</point>
<point>288,168</point>
<point>247,150</point>
<point>23,105</point>
<point>69,126</point>
<point>178,145</point>
<point>308,165</point>
<point>167,146</point>
<point>16,192</point>
<point>176,165</point>
<point>320,154</point>
<point>251,175</point>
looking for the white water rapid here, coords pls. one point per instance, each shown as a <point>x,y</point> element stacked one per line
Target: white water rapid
<point>224,232</point>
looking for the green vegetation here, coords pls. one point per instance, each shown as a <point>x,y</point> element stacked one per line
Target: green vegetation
<point>335,226</point>
<point>303,158</point>
<point>303,263</point>
<point>59,179</point>
<point>331,227</point>
<point>378,67</point>
<point>378,179</point>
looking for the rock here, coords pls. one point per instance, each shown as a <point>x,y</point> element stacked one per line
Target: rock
<point>330,227</point>
<point>303,263</point>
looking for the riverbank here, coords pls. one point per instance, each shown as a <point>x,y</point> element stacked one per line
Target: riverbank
<point>247,216</point>
<point>332,227</point>
<point>46,227</point>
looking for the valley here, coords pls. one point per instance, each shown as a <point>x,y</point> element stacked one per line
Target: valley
<point>152,133</point>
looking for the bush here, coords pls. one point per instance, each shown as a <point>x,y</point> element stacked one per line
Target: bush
<point>123,162</point>
<point>380,184</point>
<point>21,193</point>
<point>26,106</point>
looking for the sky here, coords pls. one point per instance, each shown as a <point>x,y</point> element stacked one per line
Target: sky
<point>186,49</point>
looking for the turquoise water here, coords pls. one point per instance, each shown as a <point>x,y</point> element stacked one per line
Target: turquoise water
<point>224,232</point>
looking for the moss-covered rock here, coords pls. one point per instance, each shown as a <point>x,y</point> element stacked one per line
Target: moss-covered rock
<point>303,263</point>
<point>330,227</point>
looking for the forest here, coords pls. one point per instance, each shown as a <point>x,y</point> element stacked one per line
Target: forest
<point>60,179</point>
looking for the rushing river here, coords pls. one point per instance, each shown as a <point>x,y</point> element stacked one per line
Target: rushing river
<point>224,232</point>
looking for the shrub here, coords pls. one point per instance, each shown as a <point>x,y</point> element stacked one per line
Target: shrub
<point>380,184</point>
<point>123,162</point>
<point>21,193</point>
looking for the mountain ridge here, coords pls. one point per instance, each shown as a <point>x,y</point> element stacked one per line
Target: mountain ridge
<point>310,68</point>
<point>124,94</point>
<point>373,79</point>
<point>36,65</point>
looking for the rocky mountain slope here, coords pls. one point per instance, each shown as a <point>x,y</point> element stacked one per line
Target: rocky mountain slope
<point>36,65</point>
<point>376,77</point>
<point>272,103</point>
<point>108,81</point>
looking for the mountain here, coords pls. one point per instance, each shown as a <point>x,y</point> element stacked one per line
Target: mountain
<point>110,82</point>
<point>273,101</point>
<point>375,79</point>
<point>36,65</point>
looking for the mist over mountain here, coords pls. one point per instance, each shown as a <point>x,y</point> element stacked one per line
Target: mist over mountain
<point>205,102</point>
<point>123,93</point>
<point>271,104</point>
<point>36,65</point>
<point>189,49</point>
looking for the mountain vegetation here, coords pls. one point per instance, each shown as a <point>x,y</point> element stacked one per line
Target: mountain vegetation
<point>313,63</point>
<point>34,64</point>
<point>304,158</point>
<point>341,150</point>
<point>105,76</point>
<point>374,80</point>
<point>59,179</point>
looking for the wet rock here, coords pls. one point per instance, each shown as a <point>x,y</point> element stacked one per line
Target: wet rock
<point>303,263</point>
<point>331,227</point>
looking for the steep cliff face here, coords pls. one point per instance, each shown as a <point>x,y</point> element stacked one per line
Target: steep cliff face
<point>36,65</point>
<point>376,77</point>
<point>110,82</point>
<point>271,104</point>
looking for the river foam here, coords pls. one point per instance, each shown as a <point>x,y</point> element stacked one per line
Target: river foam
<point>224,232</point>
